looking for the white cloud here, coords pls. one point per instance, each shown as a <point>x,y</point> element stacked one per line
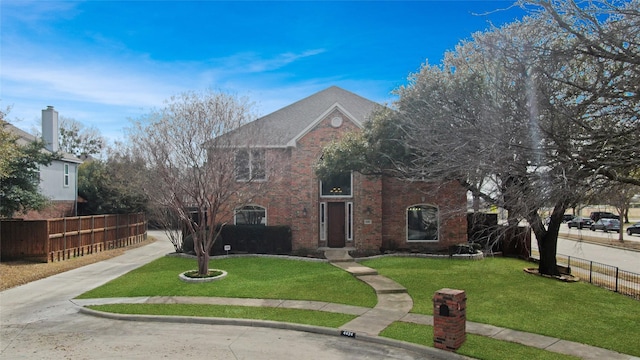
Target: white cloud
<point>251,62</point>
<point>103,83</point>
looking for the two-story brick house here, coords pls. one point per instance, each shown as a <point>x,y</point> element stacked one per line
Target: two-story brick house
<point>366,213</point>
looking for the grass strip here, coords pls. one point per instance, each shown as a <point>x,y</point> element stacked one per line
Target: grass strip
<point>500,293</point>
<point>248,277</point>
<point>475,346</point>
<point>296,316</point>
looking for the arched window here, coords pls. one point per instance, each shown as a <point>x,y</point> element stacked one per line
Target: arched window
<point>422,223</point>
<point>251,215</point>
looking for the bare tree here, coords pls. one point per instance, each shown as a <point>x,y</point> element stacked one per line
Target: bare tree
<point>601,48</point>
<point>79,140</point>
<point>191,156</point>
<point>499,106</point>
<point>517,117</point>
<point>619,196</point>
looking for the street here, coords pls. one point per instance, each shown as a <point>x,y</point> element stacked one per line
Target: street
<point>624,259</point>
<point>38,321</point>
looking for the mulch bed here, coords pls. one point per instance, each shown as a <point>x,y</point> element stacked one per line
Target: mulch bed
<point>561,277</point>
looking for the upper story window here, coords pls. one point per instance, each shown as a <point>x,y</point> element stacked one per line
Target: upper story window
<point>251,215</point>
<point>66,175</point>
<point>422,223</point>
<point>340,185</point>
<point>250,165</point>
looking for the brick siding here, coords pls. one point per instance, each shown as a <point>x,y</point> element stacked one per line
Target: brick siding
<point>378,220</point>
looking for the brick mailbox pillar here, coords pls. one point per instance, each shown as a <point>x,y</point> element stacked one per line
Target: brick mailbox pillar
<point>449,319</point>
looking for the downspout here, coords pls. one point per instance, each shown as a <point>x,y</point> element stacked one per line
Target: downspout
<point>75,198</point>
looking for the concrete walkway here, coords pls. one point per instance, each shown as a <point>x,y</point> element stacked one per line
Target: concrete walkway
<point>38,321</point>
<point>393,305</point>
<point>393,301</point>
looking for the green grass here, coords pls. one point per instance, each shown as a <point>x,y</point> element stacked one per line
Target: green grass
<point>250,277</point>
<point>500,293</point>
<point>297,316</point>
<point>475,346</point>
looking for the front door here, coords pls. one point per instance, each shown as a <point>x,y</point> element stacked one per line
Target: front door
<point>336,224</point>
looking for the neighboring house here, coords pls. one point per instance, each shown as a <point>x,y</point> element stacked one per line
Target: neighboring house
<point>365,213</point>
<point>58,181</point>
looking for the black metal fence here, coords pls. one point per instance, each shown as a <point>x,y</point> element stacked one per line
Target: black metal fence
<point>603,275</point>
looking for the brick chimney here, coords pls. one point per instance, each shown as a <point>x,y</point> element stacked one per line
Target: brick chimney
<point>50,128</point>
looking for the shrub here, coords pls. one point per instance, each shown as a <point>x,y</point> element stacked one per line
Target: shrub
<point>467,248</point>
<point>248,239</point>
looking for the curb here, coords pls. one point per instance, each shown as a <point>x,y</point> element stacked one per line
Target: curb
<point>431,353</point>
<point>597,243</point>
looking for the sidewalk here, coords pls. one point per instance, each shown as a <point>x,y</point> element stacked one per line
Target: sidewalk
<point>38,321</point>
<point>393,305</point>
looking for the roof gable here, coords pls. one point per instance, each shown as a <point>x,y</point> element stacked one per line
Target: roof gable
<point>24,138</point>
<point>284,127</point>
<point>322,116</point>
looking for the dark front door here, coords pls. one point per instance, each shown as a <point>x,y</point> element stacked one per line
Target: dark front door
<point>336,222</point>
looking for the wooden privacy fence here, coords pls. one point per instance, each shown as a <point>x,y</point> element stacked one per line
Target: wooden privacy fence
<point>64,238</point>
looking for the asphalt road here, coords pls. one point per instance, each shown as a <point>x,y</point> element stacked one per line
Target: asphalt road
<point>628,260</point>
<point>38,321</point>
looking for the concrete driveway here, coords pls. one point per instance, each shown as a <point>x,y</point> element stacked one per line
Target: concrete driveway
<point>38,321</point>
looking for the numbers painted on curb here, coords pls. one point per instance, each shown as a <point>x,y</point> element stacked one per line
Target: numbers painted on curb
<point>346,333</point>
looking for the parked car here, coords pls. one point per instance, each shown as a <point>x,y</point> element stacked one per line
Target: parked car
<point>597,215</point>
<point>565,218</point>
<point>579,222</point>
<point>633,229</point>
<point>606,225</point>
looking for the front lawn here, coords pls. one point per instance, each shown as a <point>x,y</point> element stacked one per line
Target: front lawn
<point>475,346</point>
<point>248,277</point>
<point>500,293</point>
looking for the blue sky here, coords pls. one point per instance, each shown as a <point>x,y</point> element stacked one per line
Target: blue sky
<point>105,62</point>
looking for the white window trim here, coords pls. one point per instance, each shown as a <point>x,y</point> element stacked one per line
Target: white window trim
<point>406,221</point>
<point>323,221</point>
<point>350,196</point>
<point>349,213</point>
<point>251,176</point>
<point>65,178</point>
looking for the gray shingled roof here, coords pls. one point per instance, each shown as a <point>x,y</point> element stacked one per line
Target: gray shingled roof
<point>283,127</point>
<point>25,138</point>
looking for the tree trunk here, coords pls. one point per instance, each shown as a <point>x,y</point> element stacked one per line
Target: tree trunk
<point>548,240</point>
<point>202,254</point>
<point>548,246</point>
<point>626,217</point>
<point>203,263</point>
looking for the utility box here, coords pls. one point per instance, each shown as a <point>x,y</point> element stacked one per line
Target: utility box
<point>449,319</point>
